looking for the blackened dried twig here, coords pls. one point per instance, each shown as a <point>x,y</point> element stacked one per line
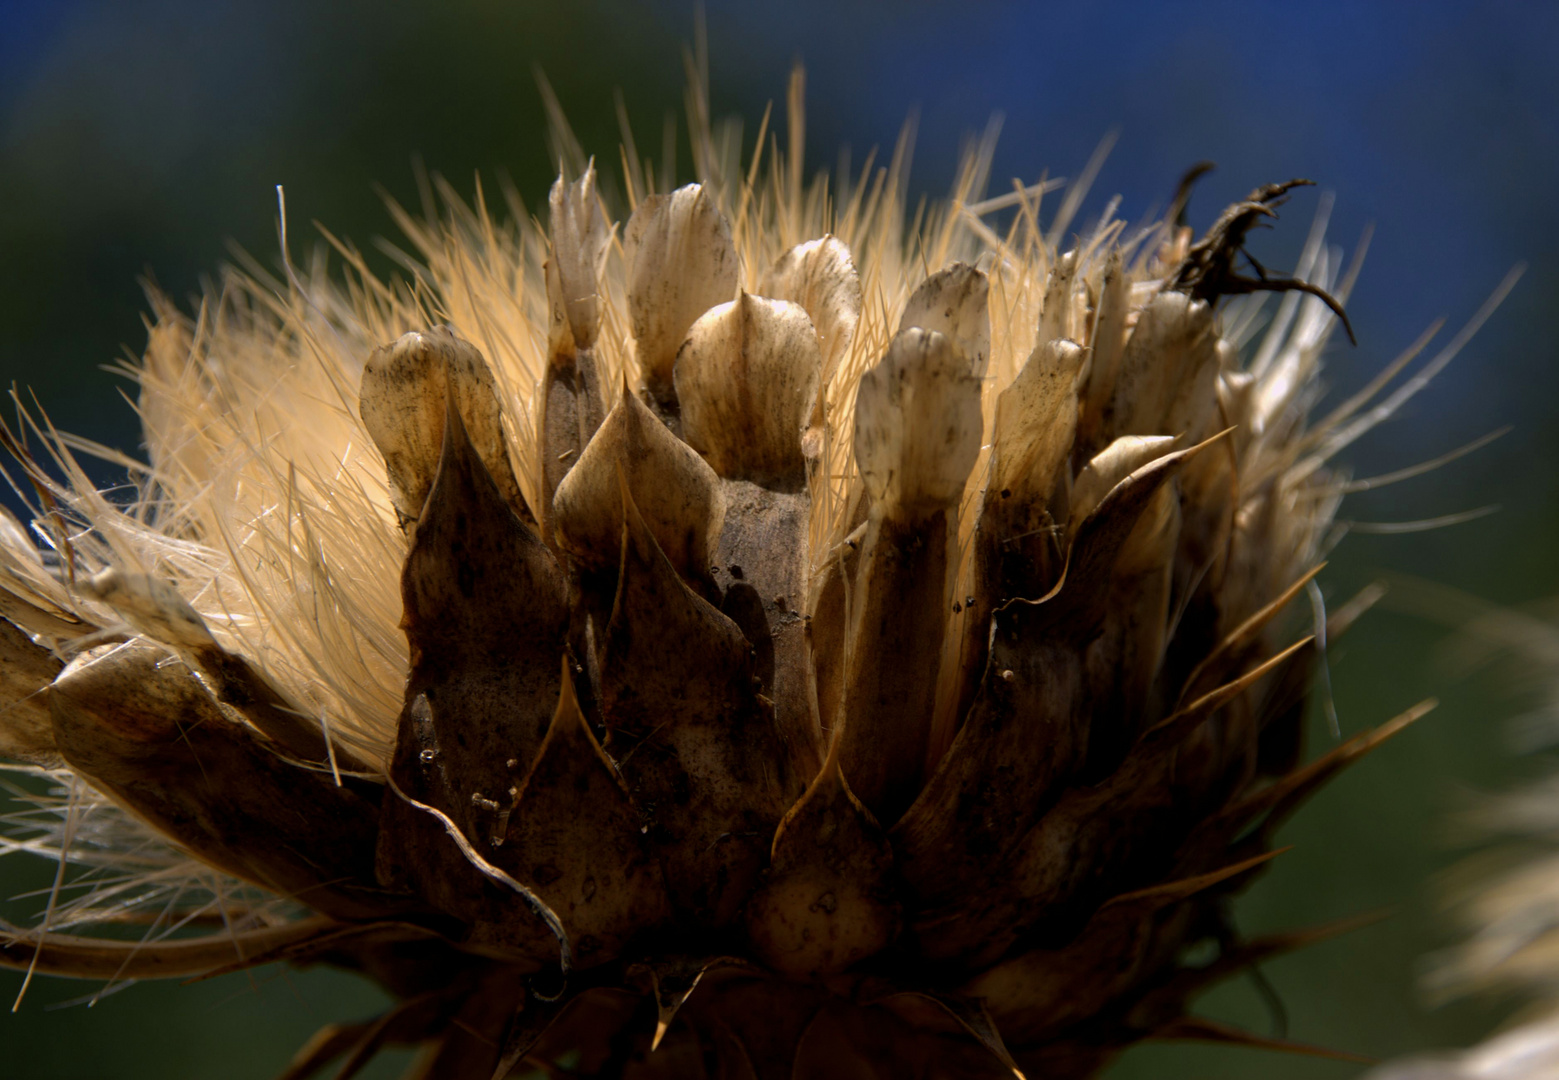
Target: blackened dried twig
<point>1207,272</point>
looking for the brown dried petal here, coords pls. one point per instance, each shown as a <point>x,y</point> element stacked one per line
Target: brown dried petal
<point>955,302</point>
<point>575,837</point>
<point>1168,372</point>
<point>1110,466</point>
<point>698,751</point>
<point>24,608</point>
<point>236,682</point>
<point>827,902</point>
<point>675,489</point>
<point>828,627</point>
<point>761,572</point>
<point>896,628</point>
<point>30,596</point>
<point>917,434</point>
<point>1075,854</point>
<point>485,618</point>
<point>26,670</point>
<point>681,263</point>
<point>917,423</point>
<point>1056,314</point>
<point>747,379</point>
<point>572,409</point>
<point>820,276</point>
<point>1018,549</point>
<point>580,235</point>
<point>403,407</point>
<point>1027,731</point>
<point>1109,342</point>
<point>1123,661</point>
<point>150,606</point>
<point>144,729</point>
<point>1036,419</point>
<point>1041,993</point>
<point>154,608</point>
<point>73,957</point>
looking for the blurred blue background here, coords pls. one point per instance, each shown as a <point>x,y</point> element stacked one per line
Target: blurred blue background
<point>140,138</point>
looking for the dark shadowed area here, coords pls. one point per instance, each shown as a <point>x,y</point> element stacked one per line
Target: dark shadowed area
<point>144,139</point>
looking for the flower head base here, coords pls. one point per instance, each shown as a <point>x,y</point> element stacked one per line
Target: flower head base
<point>759,634</point>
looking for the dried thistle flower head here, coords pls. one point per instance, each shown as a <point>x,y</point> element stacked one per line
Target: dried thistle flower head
<point>761,638</point>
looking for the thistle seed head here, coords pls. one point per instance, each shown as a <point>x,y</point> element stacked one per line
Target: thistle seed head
<point>771,632</point>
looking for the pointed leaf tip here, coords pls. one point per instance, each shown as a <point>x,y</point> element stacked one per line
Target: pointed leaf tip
<point>747,378</point>
<point>407,392</point>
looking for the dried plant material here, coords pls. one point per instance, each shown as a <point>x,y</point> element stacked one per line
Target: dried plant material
<point>901,680</point>
<point>1058,310</point>
<point>1168,372</point>
<point>917,433</point>
<point>746,380</point>
<point>580,234</point>
<point>236,683</point>
<point>154,609</point>
<point>1036,422</point>
<point>1207,270</point>
<point>485,618</point>
<point>26,670</point>
<point>917,423</point>
<point>1107,344</point>
<point>674,488</point>
<point>1077,980</point>
<point>575,832</point>
<point>148,732</point>
<point>955,303</point>
<point>406,387</point>
<point>761,568</point>
<point>572,411</point>
<point>710,776</point>
<point>827,902</point>
<point>572,399</point>
<point>820,275</point>
<point>1024,724</point>
<point>681,264</point>
<point>151,607</point>
<point>1110,466</point>
<point>1018,550</point>
<point>828,624</point>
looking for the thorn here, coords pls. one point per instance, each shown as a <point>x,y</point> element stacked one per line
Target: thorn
<point>672,980</point>
<point>1250,626</point>
<point>1282,797</point>
<point>1157,896</point>
<point>1173,728</point>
